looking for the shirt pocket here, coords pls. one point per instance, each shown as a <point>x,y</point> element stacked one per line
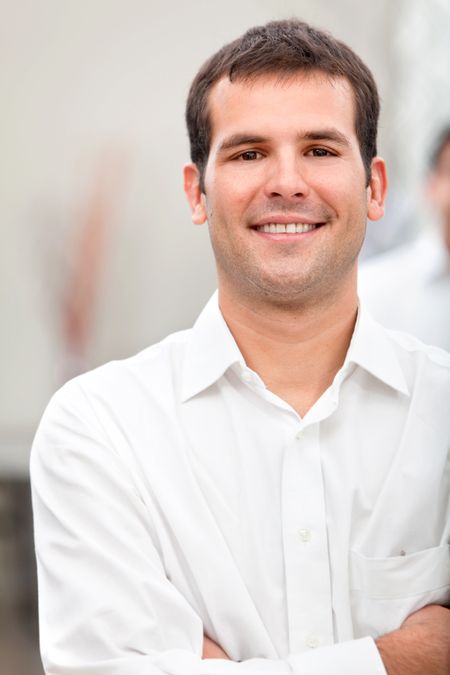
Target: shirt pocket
<point>384,591</point>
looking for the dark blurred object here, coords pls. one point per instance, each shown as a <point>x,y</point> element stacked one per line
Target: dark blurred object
<point>18,594</point>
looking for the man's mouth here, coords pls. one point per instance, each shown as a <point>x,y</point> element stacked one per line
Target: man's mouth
<point>287,228</point>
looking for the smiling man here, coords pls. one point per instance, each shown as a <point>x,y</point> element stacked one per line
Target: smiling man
<point>268,492</point>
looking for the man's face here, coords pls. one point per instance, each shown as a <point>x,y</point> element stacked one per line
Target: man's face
<point>285,186</point>
<point>439,191</point>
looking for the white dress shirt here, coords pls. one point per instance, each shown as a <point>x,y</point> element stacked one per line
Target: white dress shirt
<point>174,495</point>
<point>408,289</point>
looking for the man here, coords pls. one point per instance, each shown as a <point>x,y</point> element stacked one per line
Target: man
<point>408,288</point>
<point>265,493</point>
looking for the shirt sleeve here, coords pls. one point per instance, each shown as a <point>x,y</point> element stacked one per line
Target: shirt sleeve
<point>106,605</point>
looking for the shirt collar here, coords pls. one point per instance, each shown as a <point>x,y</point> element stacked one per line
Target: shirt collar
<point>372,349</point>
<point>211,350</point>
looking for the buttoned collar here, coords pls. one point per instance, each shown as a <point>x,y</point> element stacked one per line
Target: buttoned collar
<point>211,350</point>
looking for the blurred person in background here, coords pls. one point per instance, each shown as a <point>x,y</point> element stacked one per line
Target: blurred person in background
<point>409,287</point>
<point>266,491</point>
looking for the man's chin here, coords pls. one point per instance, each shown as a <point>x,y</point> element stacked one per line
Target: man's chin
<point>287,293</point>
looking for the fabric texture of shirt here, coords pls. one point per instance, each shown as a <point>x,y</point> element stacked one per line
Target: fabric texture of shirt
<point>408,289</point>
<point>175,496</point>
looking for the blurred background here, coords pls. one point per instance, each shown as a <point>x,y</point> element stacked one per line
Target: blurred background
<point>98,255</point>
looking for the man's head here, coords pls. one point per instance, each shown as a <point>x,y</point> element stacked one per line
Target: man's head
<point>439,182</point>
<point>283,48</point>
<point>283,168</point>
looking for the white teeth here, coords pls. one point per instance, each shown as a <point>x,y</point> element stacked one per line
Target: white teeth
<point>288,228</point>
<point>305,227</point>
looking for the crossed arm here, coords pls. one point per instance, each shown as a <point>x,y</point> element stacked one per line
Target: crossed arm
<point>421,646</point>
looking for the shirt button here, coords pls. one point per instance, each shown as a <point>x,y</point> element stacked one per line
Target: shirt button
<point>305,535</point>
<point>312,641</point>
<point>298,435</point>
<point>246,376</point>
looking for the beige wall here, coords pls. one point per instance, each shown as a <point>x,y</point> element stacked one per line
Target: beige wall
<point>85,79</point>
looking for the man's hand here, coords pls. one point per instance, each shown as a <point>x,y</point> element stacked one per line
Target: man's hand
<point>421,646</point>
<point>211,650</point>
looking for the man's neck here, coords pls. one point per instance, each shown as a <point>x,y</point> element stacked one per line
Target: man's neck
<point>298,352</point>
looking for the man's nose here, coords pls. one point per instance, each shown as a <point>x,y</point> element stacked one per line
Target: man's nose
<point>288,178</point>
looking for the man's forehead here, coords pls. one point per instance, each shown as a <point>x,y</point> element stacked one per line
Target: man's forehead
<point>225,88</point>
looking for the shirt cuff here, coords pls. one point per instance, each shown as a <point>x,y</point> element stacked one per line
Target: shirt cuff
<point>345,658</point>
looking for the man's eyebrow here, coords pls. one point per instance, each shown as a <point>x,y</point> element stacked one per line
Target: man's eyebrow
<point>325,135</point>
<point>237,140</point>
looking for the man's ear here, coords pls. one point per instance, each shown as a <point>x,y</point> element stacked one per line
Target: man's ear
<point>194,193</point>
<point>377,189</point>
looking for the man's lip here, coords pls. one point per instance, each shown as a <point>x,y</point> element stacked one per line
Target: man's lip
<point>286,219</point>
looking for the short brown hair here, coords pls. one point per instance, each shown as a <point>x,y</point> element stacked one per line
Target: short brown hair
<point>283,47</point>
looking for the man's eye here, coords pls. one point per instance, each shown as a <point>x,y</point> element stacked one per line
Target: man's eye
<point>249,155</point>
<point>321,152</point>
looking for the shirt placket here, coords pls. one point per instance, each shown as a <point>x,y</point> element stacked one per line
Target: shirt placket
<point>305,542</point>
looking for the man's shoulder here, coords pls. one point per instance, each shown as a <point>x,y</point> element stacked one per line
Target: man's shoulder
<point>121,405</point>
<point>415,348</point>
<point>152,372</point>
<point>422,364</point>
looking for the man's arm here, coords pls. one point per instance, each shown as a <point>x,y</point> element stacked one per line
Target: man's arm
<point>211,650</point>
<point>421,646</point>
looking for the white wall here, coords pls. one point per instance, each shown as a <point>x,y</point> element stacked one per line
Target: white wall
<point>79,78</point>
